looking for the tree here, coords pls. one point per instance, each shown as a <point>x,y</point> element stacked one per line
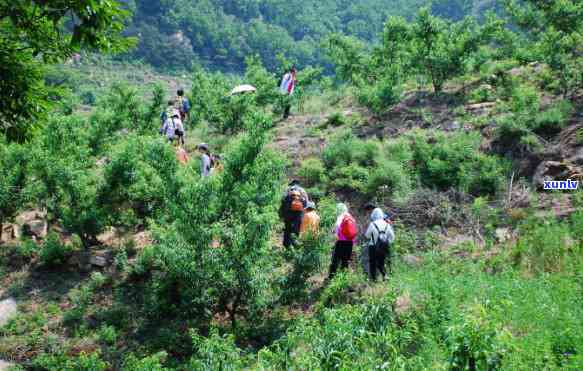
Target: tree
<point>13,161</point>
<point>439,48</point>
<point>556,31</point>
<point>216,256</point>
<point>33,33</point>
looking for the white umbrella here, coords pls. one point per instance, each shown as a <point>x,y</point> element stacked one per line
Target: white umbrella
<point>243,89</point>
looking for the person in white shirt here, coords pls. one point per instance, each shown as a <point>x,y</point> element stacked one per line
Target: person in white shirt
<point>379,236</point>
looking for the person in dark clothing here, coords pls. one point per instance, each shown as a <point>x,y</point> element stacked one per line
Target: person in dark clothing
<point>379,236</point>
<point>291,212</point>
<point>344,244</point>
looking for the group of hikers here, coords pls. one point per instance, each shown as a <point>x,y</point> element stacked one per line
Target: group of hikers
<point>300,218</point>
<point>173,121</point>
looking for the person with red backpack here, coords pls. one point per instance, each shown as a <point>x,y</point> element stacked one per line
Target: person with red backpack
<point>291,211</point>
<point>346,232</point>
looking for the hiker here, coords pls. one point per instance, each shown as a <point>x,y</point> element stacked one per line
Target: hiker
<point>364,254</point>
<point>287,87</point>
<point>181,155</point>
<point>291,211</point>
<point>346,232</point>
<point>168,111</point>
<point>178,126</point>
<point>311,221</point>
<point>205,160</point>
<point>183,105</point>
<point>168,128</point>
<point>379,236</point>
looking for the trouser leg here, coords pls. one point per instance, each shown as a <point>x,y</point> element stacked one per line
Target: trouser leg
<point>372,256</point>
<point>346,253</point>
<point>335,261</point>
<point>287,234</point>
<point>381,256</point>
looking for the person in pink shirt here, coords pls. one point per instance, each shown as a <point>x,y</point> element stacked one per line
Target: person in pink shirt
<point>346,232</point>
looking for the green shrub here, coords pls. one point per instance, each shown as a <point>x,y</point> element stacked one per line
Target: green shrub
<point>393,177</point>
<point>476,342</point>
<point>107,335</point>
<point>54,252</point>
<point>543,246</point>
<point>349,177</point>
<point>312,171</point>
<point>384,93</point>
<point>552,120</point>
<point>336,119</point>
<point>455,161</point>
<point>345,148</point>
<point>63,362</point>
<point>215,352</point>
<point>151,363</point>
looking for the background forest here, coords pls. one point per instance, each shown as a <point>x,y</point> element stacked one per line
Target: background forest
<point>220,34</point>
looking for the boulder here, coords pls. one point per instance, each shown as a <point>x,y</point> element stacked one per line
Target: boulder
<point>37,228</point>
<point>8,310</point>
<point>101,258</point>
<point>452,126</point>
<point>412,260</point>
<point>502,234</point>
<point>403,304</point>
<point>33,223</point>
<point>5,366</point>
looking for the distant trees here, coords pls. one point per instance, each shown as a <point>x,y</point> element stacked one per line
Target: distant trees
<point>224,32</point>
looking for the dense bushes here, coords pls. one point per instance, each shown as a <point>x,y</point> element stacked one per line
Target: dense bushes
<point>433,160</point>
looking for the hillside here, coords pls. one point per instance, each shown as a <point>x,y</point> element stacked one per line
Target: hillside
<point>116,254</point>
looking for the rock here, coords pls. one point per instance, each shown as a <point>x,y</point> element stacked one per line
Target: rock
<point>10,232</point>
<point>403,304</point>
<point>552,170</point>
<point>38,228</point>
<point>480,106</point>
<point>102,161</point>
<point>502,234</point>
<point>101,258</point>
<point>5,366</point>
<point>33,223</point>
<point>453,126</point>
<point>8,310</point>
<point>412,260</point>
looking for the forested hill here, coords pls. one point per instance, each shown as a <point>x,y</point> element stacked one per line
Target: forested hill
<point>221,33</point>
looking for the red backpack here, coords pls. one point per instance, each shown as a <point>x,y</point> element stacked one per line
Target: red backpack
<point>348,228</point>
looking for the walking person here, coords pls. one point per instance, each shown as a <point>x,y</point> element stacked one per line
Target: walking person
<point>310,222</point>
<point>346,232</point>
<point>183,105</point>
<point>291,211</point>
<point>178,127</point>
<point>379,236</point>
<point>364,253</point>
<point>168,111</point>
<point>287,88</point>
<point>205,160</point>
<point>182,155</point>
<point>168,128</point>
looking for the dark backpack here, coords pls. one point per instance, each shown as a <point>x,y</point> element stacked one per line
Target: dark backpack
<point>382,242</point>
